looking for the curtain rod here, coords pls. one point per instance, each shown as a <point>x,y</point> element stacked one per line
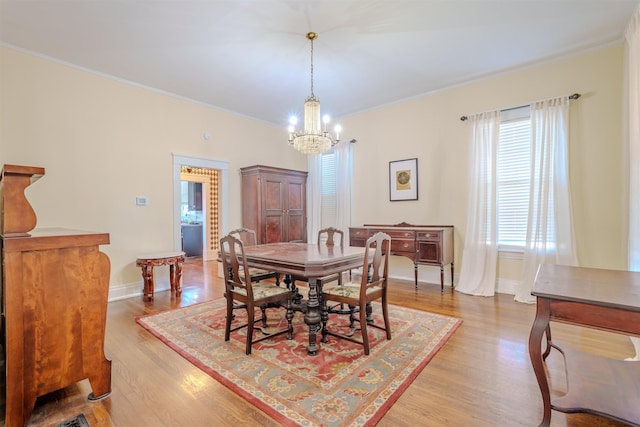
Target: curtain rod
<point>574,96</point>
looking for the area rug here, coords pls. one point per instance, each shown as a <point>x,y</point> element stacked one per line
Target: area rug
<point>338,387</point>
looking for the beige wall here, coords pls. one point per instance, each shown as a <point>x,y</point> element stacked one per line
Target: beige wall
<point>430,129</point>
<point>103,142</point>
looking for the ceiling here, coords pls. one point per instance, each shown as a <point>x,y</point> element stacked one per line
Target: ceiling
<point>251,57</point>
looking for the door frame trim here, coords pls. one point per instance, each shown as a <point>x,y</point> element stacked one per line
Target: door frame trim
<point>180,160</point>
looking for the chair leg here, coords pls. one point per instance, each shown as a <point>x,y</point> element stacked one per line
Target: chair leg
<point>385,315</point>
<point>263,309</point>
<point>251,320</point>
<point>363,329</point>
<point>227,326</point>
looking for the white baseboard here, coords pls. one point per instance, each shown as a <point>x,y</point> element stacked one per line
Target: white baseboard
<point>130,290</point>
<point>504,286</point>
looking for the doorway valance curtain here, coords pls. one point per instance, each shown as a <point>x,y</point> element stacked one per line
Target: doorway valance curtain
<point>550,238</point>
<point>480,253</point>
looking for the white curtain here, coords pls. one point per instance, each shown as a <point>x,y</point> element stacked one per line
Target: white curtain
<point>344,193</point>
<point>480,253</point>
<point>344,187</point>
<point>550,238</point>
<point>314,197</point>
<point>632,131</point>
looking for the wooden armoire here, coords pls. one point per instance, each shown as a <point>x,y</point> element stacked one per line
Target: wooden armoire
<point>274,203</point>
<point>55,286</point>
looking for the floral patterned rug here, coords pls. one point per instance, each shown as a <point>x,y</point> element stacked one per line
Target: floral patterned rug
<point>338,387</point>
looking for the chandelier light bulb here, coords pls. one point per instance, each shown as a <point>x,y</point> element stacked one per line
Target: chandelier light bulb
<point>293,120</point>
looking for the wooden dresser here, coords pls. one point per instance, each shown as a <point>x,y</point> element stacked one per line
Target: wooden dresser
<point>274,203</point>
<point>55,285</point>
<point>422,244</point>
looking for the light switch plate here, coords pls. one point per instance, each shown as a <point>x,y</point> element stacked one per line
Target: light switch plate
<point>142,200</point>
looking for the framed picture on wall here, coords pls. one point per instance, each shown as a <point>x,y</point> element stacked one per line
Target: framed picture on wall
<point>403,180</point>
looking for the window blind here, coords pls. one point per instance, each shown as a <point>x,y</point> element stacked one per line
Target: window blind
<point>513,176</point>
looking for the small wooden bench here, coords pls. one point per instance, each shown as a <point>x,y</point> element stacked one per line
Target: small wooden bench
<point>173,259</point>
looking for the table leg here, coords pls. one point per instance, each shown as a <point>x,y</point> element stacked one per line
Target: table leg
<point>540,326</point>
<point>312,316</point>
<point>147,277</point>
<point>172,277</point>
<point>441,278</point>
<point>415,273</point>
<point>175,276</point>
<point>452,275</point>
<point>179,277</point>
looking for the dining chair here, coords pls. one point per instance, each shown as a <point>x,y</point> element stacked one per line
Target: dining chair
<point>326,236</point>
<point>248,237</point>
<point>358,296</point>
<point>239,288</point>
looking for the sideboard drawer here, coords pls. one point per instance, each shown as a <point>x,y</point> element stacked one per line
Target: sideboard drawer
<point>403,245</point>
<point>400,234</point>
<point>358,236</point>
<point>429,235</point>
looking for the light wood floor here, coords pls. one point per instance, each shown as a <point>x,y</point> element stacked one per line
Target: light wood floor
<point>481,377</point>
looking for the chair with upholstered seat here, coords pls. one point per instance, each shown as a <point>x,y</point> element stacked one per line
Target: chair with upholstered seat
<point>358,296</point>
<point>240,289</point>
<point>328,236</point>
<point>248,237</point>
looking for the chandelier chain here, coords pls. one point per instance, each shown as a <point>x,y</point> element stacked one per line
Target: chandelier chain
<point>312,95</point>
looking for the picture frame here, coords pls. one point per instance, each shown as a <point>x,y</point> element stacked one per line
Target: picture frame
<point>403,180</point>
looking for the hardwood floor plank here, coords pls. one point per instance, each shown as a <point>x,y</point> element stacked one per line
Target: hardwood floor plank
<point>481,377</point>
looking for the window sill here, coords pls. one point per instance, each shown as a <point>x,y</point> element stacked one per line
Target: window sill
<point>510,252</point>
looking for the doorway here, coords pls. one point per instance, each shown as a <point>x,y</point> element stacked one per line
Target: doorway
<point>212,175</point>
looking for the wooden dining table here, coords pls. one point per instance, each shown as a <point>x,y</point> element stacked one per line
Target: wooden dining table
<point>308,261</point>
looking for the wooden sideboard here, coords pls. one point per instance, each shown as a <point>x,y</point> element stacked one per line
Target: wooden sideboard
<point>55,285</point>
<point>422,244</point>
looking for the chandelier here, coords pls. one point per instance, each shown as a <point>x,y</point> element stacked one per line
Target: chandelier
<point>313,138</point>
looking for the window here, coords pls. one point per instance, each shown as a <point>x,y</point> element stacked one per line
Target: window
<point>513,177</point>
<point>328,202</point>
